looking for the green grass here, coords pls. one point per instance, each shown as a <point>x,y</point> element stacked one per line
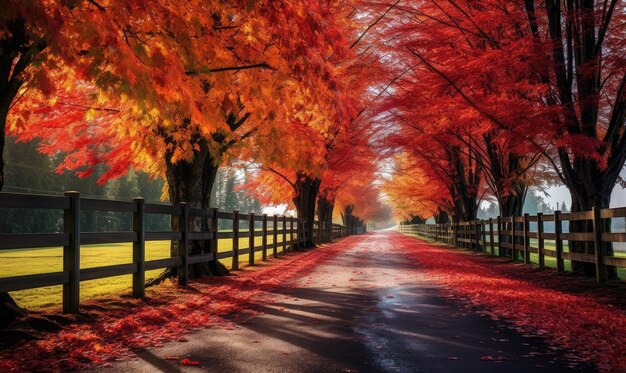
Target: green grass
<point>22,262</point>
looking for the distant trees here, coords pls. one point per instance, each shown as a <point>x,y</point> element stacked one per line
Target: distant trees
<point>533,204</point>
<point>28,171</point>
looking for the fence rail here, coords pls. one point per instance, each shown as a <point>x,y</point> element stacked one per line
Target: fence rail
<point>524,235</point>
<point>290,230</point>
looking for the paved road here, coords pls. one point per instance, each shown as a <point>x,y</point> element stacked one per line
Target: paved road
<point>368,310</point>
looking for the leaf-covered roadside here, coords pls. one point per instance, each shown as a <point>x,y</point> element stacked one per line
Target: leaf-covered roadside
<point>535,302</point>
<point>120,326</point>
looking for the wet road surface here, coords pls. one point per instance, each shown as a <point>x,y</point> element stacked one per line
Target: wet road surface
<point>370,309</point>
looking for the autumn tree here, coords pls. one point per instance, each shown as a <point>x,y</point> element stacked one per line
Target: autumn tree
<point>186,133</point>
<point>543,80</point>
<point>412,192</point>
<point>588,90</point>
<point>472,54</point>
<point>170,90</point>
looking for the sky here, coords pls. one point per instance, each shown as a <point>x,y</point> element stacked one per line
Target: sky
<point>560,194</point>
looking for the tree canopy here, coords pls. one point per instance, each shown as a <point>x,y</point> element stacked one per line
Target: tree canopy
<point>335,108</point>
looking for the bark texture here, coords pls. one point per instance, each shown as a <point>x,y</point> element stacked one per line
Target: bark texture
<point>192,182</point>
<point>306,191</point>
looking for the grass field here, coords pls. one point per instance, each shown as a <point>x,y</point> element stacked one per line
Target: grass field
<point>21,262</point>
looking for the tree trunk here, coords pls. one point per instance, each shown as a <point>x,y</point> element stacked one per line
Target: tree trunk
<point>584,35</point>
<point>325,207</point>
<point>350,220</point>
<point>581,201</point>
<point>9,310</point>
<point>306,189</point>
<point>512,204</point>
<point>191,182</point>
<point>10,82</point>
<point>347,218</point>
<point>4,111</point>
<point>441,217</point>
<point>466,176</point>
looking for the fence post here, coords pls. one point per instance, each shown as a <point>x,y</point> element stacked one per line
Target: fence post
<point>264,251</point>
<point>291,239</point>
<point>213,243</point>
<point>285,247</point>
<point>235,265</point>
<point>439,232</point>
<point>513,235</point>
<point>526,240</point>
<point>139,249</point>
<point>329,231</point>
<point>601,271</point>
<point>491,237</point>
<point>275,242</point>
<point>455,234</point>
<point>251,239</point>
<point>183,244</point>
<point>499,223</point>
<point>541,258</point>
<point>71,254</point>
<point>320,232</point>
<point>558,228</point>
<point>479,228</point>
<point>483,235</point>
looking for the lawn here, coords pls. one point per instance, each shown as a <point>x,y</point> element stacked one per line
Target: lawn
<point>21,262</point>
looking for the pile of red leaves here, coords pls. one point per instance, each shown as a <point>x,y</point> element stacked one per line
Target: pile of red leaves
<point>532,300</point>
<point>119,325</point>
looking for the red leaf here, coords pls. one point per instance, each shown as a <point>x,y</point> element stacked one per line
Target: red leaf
<point>188,362</point>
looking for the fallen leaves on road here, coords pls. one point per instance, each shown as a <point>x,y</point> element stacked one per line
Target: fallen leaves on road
<point>188,362</point>
<point>110,332</point>
<point>534,302</point>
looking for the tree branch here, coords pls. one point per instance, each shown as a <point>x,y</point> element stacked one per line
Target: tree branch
<point>230,68</point>
<point>488,115</point>
<point>293,185</point>
<point>374,24</point>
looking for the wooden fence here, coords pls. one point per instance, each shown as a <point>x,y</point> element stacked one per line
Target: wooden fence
<point>526,235</point>
<point>291,230</point>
